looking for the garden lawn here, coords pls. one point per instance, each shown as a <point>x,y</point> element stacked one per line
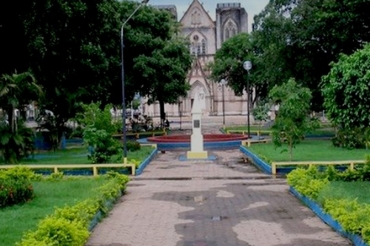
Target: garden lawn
<point>308,150</point>
<point>79,156</point>
<point>359,190</point>
<point>16,220</point>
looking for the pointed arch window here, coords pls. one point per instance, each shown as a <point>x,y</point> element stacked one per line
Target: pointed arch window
<point>230,30</point>
<point>198,48</point>
<point>204,46</point>
<point>227,34</point>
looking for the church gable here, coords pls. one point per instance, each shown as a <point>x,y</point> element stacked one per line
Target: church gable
<point>196,15</point>
<point>198,43</point>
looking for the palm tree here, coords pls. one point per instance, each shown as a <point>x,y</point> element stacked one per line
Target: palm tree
<point>16,91</point>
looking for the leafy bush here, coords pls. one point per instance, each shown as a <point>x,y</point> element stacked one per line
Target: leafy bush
<point>16,145</point>
<point>20,172</point>
<point>133,146</point>
<point>15,186</point>
<point>94,117</point>
<point>348,81</point>
<point>365,233</point>
<point>57,231</point>
<point>75,133</point>
<point>354,138</point>
<point>308,182</point>
<point>353,216</point>
<point>103,145</point>
<point>70,225</point>
<point>361,173</point>
<point>134,161</point>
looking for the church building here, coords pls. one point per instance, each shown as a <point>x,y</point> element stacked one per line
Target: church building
<point>206,36</point>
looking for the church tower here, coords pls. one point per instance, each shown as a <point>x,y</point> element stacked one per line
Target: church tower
<point>205,37</point>
<point>231,19</point>
<point>199,28</point>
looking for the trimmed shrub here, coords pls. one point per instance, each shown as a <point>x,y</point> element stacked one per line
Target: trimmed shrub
<point>57,231</point>
<point>20,172</point>
<point>70,225</point>
<point>15,186</point>
<point>308,182</point>
<point>352,216</point>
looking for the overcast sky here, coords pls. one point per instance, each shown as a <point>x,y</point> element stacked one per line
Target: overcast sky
<point>253,7</point>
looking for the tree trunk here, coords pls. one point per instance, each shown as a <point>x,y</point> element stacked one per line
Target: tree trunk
<point>11,120</point>
<point>162,113</point>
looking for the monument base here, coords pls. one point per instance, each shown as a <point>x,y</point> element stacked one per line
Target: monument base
<point>197,155</point>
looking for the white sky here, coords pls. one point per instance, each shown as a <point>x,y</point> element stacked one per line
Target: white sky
<point>253,7</point>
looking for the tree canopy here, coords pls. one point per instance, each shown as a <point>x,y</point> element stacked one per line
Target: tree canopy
<point>159,58</point>
<point>292,119</point>
<point>74,54</point>
<point>73,50</point>
<point>346,90</point>
<point>299,38</point>
<point>228,65</point>
<point>229,59</point>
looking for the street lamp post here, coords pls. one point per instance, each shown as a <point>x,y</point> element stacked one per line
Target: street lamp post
<point>223,83</point>
<point>247,65</point>
<point>179,102</point>
<point>123,83</point>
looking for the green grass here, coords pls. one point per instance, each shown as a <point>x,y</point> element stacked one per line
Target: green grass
<point>359,190</point>
<point>309,150</point>
<point>79,156</point>
<point>18,219</point>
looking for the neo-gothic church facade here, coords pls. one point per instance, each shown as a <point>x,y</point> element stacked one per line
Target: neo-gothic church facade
<point>205,37</point>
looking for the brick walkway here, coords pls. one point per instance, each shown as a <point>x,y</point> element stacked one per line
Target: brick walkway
<point>224,202</point>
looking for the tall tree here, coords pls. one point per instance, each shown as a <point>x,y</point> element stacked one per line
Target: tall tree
<point>74,51</point>
<point>292,120</point>
<point>13,43</point>
<point>228,65</point>
<point>346,91</point>
<point>299,38</point>
<point>16,91</point>
<point>156,59</point>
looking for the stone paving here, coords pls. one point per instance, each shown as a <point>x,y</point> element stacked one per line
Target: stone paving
<point>224,202</point>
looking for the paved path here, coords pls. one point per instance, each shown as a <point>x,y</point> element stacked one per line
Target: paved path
<point>224,202</point>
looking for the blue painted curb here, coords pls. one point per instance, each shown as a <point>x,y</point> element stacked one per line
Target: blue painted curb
<point>142,165</point>
<point>256,160</point>
<point>207,145</point>
<point>100,214</point>
<point>356,239</point>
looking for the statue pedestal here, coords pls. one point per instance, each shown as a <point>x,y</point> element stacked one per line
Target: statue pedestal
<point>196,150</point>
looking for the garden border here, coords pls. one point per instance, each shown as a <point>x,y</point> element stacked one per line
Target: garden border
<point>266,168</point>
<point>356,240</point>
<point>143,164</point>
